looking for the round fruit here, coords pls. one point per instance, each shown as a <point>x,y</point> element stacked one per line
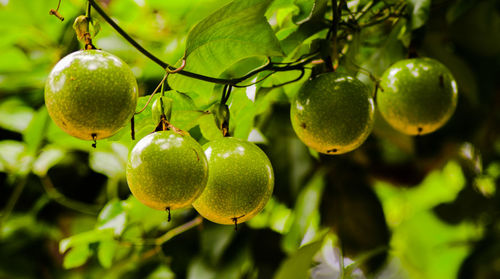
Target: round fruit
<point>240,181</point>
<point>417,96</point>
<point>91,94</point>
<point>333,113</point>
<point>166,170</point>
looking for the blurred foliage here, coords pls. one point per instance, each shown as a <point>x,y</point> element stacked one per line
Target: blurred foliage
<point>398,207</point>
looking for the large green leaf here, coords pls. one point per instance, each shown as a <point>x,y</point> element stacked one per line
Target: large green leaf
<point>236,31</point>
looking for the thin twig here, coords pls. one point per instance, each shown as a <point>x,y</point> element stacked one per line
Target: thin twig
<point>14,197</point>
<point>61,199</point>
<point>152,94</point>
<point>56,12</point>
<point>178,230</point>
<point>166,236</point>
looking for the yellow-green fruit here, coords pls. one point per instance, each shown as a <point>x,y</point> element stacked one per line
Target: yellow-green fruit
<point>333,113</point>
<point>91,94</point>
<point>417,96</point>
<point>240,181</point>
<point>166,170</point>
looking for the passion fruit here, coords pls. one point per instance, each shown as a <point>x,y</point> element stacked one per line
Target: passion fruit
<point>240,181</point>
<point>417,96</point>
<point>333,113</point>
<point>91,94</point>
<point>167,170</point>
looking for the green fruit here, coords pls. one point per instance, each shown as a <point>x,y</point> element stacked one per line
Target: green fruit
<point>240,181</point>
<point>417,96</point>
<point>91,94</point>
<point>333,113</point>
<point>166,170</point>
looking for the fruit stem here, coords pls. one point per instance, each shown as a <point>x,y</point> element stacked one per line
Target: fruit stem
<point>169,215</point>
<point>336,14</point>
<point>56,12</point>
<point>87,36</point>
<point>235,220</point>
<point>152,94</point>
<point>132,128</point>
<point>94,138</point>
<point>87,13</point>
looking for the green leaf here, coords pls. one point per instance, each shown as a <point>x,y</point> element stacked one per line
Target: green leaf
<point>310,10</point>
<point>112,216</point>
<point>297,266</point>
<point>106,252</point>
<point>306,211</point>
<point>310,25</point>
<point>432,250</point>
<point>162,272</point>
<point>48,158</point>
<point>208,127</point>
<point>214,241</point>
<point>420,12</point>
<point>438,187</point>
<point>14,158</point>
<point>275,215</point>
<point>76,257</point>
<point>15,115</point>
<point>110,162</point>
<point>35,132</point>
<point>60,138</point>
<point>85,238</point>
<point>148,218</point>
<point>234,32</point>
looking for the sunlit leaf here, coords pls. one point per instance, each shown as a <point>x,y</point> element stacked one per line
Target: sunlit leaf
<point>77,256</point>
<point>14,157</point>
<point>208,127</point>
<point>110,162</point>
<point>15,115</point>
<point>275,215</point>
<point>85,238</point>
<point>106,252</point>
<point>305,211</point>
<point>434,250</point>
<point>236,31</point>
<point>48,158</point>
<point>112,216</point>
<point>36,130</point>
<point>486,185</point>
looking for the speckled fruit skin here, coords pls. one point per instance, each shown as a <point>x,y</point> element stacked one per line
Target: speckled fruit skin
<point>240,182</point>
<point>417,96</point>
<point>333,113</point>
<point>167,170</point>
<point>91,92</point>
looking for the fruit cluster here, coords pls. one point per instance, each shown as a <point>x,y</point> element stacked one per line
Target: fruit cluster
<point>91,94</point>
<point>334,113</point>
